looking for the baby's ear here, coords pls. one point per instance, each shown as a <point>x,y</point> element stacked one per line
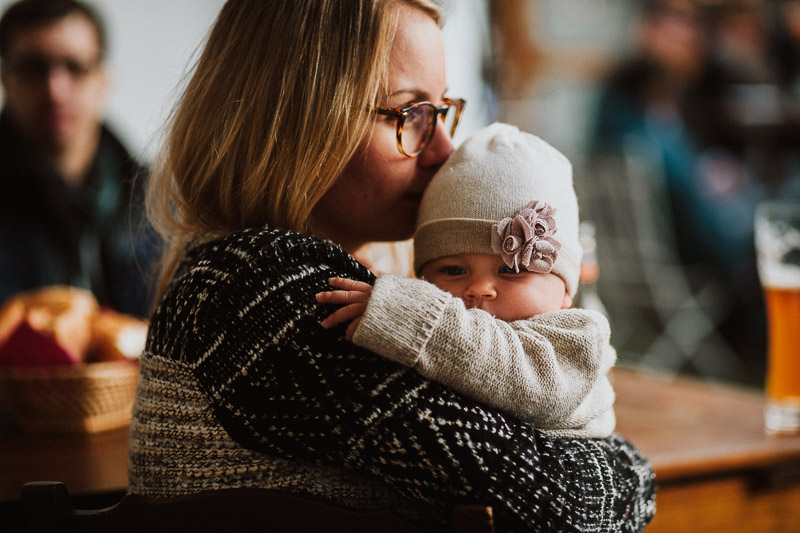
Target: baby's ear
<point>567,302</point>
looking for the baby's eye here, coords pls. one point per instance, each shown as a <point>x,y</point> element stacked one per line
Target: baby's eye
<point>507,270</point>
<point>452,270</point>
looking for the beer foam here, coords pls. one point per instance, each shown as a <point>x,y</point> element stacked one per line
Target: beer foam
<point>779,275</point>
<point>775,241</point>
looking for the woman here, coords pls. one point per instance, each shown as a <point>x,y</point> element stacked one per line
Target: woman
<point>287,140</point>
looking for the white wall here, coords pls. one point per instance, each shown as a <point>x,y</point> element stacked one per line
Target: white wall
<point>467,44</point>
<point>151,45</point>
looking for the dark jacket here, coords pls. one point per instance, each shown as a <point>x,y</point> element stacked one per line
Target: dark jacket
<point>92,236</point>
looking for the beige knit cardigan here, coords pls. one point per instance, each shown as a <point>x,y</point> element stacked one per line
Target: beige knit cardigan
<point>550,370</point>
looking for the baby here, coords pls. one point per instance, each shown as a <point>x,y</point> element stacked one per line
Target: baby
<point>498,254</point>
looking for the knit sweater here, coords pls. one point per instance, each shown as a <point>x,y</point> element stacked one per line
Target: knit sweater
<point>241,386</point>
<point>550,370</point>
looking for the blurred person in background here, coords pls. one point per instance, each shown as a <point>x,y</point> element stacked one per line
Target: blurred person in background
<point>701,95</point>
<point>739,115</point>
<point>70,212</point>
<point>644,95</point>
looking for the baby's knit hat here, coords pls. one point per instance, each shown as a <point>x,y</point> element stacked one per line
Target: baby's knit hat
<point>505,192</point>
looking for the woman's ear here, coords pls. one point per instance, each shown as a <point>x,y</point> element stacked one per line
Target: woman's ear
<point>567,302</point>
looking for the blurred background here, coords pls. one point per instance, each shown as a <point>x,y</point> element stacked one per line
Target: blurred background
<point>679,117</point>
<point>151,45</point>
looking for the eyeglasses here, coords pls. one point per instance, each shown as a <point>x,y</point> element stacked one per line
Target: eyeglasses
<point>36,68</point>
<point>416,123</point>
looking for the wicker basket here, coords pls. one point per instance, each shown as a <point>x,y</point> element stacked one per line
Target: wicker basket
<point>84,399</point>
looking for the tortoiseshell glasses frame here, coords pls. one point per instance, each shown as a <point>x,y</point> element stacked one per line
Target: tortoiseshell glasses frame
<point>418,120</point>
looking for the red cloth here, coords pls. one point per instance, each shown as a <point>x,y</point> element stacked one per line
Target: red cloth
<point>28,347</point>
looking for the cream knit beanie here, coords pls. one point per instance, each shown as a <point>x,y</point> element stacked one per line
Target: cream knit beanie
<point>505,192</point>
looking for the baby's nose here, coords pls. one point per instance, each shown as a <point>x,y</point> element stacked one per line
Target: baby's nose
<point>480,289</point>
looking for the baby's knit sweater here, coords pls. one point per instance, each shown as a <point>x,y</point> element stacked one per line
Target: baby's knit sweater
<point>550,370</point>
<point>241,387</point>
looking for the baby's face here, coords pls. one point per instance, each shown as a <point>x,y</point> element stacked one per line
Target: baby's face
<point>485,282</point>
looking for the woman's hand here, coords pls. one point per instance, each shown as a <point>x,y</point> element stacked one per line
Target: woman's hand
<point>353,295</point>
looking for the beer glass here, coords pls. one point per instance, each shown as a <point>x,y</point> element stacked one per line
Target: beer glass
<point>777,231</point>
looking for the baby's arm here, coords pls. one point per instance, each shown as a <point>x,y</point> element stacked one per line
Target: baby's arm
<point>547,370</point>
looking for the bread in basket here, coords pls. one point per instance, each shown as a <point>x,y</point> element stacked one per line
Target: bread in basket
<point>66,365</point>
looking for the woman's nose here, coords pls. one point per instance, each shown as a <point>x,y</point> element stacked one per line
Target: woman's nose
<point>480,289</point>
<point>439,148</point>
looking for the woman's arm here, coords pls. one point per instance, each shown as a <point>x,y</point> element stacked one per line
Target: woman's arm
<point>549,370</point>
<point>282,385</point>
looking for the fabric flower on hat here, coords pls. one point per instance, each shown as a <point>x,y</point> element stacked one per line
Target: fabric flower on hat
<point>526,240</point>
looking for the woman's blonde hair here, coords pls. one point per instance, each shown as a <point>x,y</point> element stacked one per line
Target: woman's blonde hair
<point>272,114</point>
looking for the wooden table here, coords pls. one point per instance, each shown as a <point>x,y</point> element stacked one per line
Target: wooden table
<point>716,469</point>
<point>86,463</point>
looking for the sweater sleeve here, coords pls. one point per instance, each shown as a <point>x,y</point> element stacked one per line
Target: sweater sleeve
<point>549,370</point>
<point>247,324</point>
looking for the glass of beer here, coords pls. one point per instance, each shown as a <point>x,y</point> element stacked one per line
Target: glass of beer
<point>777,231</point>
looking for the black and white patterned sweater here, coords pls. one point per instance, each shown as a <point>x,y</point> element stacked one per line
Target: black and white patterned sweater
<point>241,387</point>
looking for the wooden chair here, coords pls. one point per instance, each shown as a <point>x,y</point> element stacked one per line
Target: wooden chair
<point>664,314</point>
<point>48,509</point>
